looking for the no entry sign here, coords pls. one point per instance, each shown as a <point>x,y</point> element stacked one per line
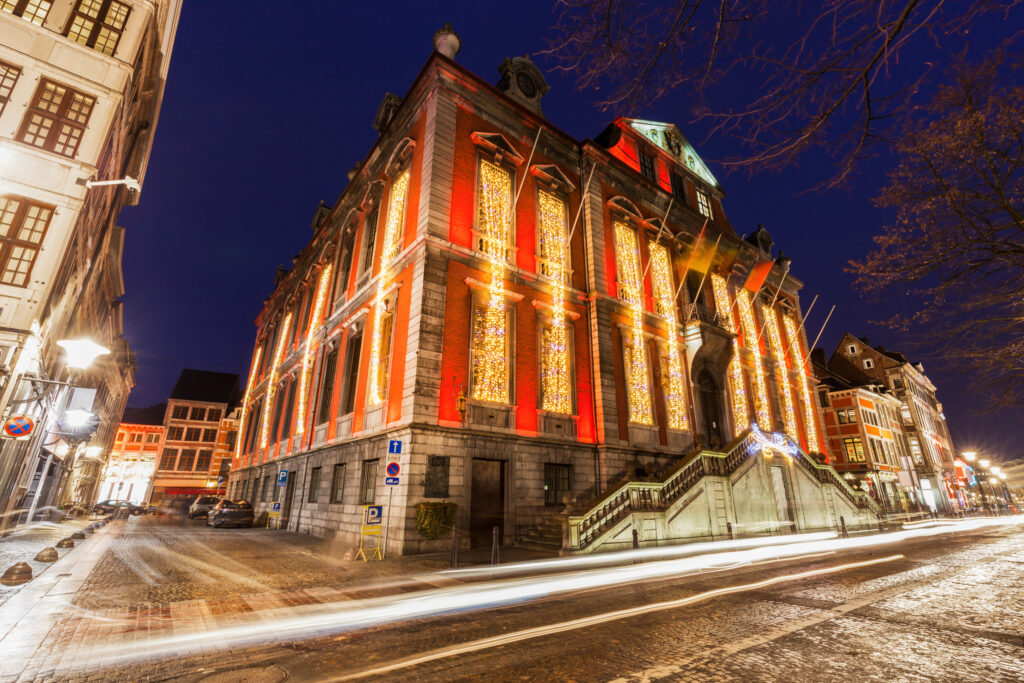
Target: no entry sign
<point>19,426</point>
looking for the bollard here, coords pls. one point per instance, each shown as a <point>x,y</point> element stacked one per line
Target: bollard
<point>79,535</point>
<point>65,543</point>
<point>17,574</point>
<point>454,561</point>
<point>728,528</point>
<point>842,525</point>
<point>636,539</point>
<point>47,555</point>
<point>495,557</point>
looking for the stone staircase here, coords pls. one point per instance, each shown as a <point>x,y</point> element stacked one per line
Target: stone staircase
<point>544,537</point>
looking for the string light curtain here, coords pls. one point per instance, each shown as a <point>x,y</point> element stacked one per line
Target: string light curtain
<point>282,342</point>
<point>240,442</point>
<point>740,409</point>
<point>307,354</point>
<point>797,356</point>
<point>631,291</point>
<point>490,361</point>
<point>555,385</point>
<point>389,250</point>
<point>778,352</point>
<point>664,294</point>
<point>761,405</point>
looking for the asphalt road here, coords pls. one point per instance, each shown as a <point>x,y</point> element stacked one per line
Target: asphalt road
<point>948,608</point>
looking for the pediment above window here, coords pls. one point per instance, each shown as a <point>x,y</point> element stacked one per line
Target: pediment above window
<point>626,206</point>
<point>400,157</point>
<point>553,176</point>
<point>498,145</point>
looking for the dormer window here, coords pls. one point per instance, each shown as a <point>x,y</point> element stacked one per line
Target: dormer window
<point>851,349</point>
<point>868,364</point>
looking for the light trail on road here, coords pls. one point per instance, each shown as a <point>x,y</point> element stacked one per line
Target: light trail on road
<point>293,623</point>
<point>595,619</point>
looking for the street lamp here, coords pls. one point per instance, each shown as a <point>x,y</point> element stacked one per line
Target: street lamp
<point>970,456</point>
<point>80,353</point>
<point>984,463</point>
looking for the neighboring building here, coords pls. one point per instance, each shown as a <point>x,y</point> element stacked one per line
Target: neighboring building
<point>928,440</point>
<point>865,434</point>
<point>451,302</point>
<point>198,427</point>
<point>129,471</point>
<point>81,83</point>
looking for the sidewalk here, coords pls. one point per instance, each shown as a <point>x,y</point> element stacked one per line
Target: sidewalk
<point>23,544</point>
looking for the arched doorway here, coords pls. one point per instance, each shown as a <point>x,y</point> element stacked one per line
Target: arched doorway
<point>711,408</point>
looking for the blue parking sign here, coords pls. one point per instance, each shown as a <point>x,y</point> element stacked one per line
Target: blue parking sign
<point>282,478</point>
<point>373,515</point>
<point>275,507</point>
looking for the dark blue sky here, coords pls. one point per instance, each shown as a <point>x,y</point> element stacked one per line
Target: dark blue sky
<point>266,109</point>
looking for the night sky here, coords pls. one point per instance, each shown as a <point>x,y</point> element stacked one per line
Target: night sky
<point>267,106</point>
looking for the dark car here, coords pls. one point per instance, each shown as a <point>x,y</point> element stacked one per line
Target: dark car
<point>109,507</point>
<point>201,505</point>
<point>231,513</point>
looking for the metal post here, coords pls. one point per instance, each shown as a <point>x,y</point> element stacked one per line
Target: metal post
<point>387,523</point>
<point>728,527</point>
<point>495,559</point>
<point>454,561</point>
<point>636,539</point>
<point>842,525</point>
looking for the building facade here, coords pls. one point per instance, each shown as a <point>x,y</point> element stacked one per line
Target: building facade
<point>932,472</point>
<point>81,82</point>
<point>128,474</point>
<point>199,436</point>
<point>519,320</point>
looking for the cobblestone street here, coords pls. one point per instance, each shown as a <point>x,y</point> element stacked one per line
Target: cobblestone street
<point>949,608</point>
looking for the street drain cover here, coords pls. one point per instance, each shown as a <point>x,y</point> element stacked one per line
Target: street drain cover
<point>255,674</point>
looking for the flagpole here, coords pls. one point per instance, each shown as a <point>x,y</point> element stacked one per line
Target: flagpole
<point>579,211</point>
<point>656,237</point>
<point>820,332</point>
<point>802,323</point>
<point>772,304</point>
<point>515,202</point>
<point>686,269</point>
<point>703,279</point>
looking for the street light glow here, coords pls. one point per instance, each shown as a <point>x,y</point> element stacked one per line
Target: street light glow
<point>970,455</point>
<point>77,417</point>
<point>984,463</point>
<point>80,353</point>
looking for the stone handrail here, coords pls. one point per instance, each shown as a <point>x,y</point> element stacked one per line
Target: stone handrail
<point>634,496</point>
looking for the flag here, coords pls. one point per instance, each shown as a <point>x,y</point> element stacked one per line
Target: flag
<point>702,254</point>
<point>758,274</point>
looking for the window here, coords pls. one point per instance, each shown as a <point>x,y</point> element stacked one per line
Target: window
<point>853,449</point>
<point>241,490</point>
<point>704,203</point>
<point>436,480</point>
<point>152,438</point>
<point>136,437</point>
<point>8,77</point>
<point>213,415</point>
<point>120,436</point>
<point>556,482</point>
<point>368,482</point>
<point>848,416</point>
<point>494,211</point>
<point>23,224</point>
<point>275,421</point>
<point>823,398</point>
<point>193,434</point>
<point>174,433</point>
<point>556,369</point>
<point>231,438</point>
<point>383,368</point>
<point>179,413</point>
<point>187,460</point>
<point>647,166</point>
<point>98,24</point>
<point>33,11</point>
<point>314,484</point>
<point>868,364</point>
<point>338,483</point>
<point>897,383</point>
<point>344,265</point>
<point>57,118</point>
<point>327,385</point>
<point>678,186</point>
<point>198,414</point>
<point>352,350</point>
<point>370,238</point>
<point>264,487</point>
<point>484,382</point>
<point>851,349</point>
<point>209,435</point>
<point>167,458</point>
<point>203,462</point>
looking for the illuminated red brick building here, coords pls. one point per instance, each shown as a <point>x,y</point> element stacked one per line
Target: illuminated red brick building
<point>515,306</point>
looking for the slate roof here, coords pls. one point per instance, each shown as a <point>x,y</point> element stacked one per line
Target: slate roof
<point>151,415</point>
<point>204,385</point>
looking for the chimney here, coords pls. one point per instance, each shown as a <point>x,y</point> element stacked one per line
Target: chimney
<point>446,41</point>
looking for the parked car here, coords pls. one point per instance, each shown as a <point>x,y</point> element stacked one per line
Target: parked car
<point>109,507</point>
<point>201,505</point>
<point>231,513</point>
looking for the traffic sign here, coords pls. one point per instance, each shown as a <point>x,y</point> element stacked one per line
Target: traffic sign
<point>220,478</point>
<point>394,446</point>
<point>19,426</point>
<point>275,507</point>
<point>391,481</point>
<point>373,515</point>
<point>393,469</point>
<point>282,478</point>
